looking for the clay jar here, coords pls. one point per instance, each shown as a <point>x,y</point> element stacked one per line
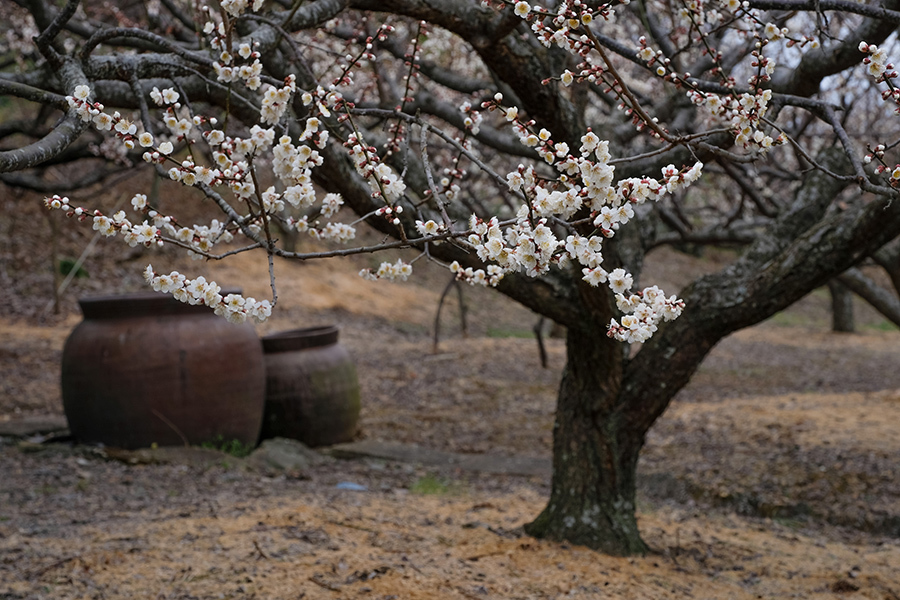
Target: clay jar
<point>312,391</point>
<point>146,369</point>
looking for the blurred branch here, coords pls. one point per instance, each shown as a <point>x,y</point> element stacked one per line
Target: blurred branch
<point>881,300</point>
<point>38,184</point>
<point>26,92</point>
<point>867,10</point>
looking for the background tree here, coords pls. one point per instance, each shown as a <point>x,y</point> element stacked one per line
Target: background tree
<point>786,102</point>
<point>882,298</point>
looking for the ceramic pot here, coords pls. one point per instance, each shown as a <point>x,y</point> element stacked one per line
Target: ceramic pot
<point>312,391</point>
<point>146,369</point>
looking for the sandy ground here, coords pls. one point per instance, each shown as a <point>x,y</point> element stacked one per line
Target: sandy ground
<point>773,474</point>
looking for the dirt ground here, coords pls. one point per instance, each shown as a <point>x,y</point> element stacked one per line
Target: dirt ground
<point>773,474</point>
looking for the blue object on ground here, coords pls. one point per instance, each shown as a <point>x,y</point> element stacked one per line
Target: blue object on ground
<point>349,485</point>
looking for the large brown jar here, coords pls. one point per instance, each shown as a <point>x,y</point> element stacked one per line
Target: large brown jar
<point>146,369</point>
<point>312,391</point>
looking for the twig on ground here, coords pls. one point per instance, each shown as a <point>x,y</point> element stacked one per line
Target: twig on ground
<point>52,566</point>
<point>317,579</point>
<point>259,551</point>
<point>351,526</point>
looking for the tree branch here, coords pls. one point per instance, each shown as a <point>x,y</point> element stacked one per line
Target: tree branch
<point>59,138</point>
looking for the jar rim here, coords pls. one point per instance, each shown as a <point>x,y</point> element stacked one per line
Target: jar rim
<point>141,304</point>
<point>301,339</point>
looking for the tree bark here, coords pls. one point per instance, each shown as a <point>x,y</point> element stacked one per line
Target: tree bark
<point>595,454</point>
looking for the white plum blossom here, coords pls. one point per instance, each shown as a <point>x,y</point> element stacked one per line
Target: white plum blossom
<point>145,234</point>
<point>275,101</point>
<point>331,203</point>
<point>139,201</point>
<point>105,226</point>
<point>595,276</point>
<point>644,311</point>
<point>428,227</point>
<point>382,179</point>
<point>562,210</point>
<point>336,232</point>
<point>125,127</point>
<point>392,271</point>
<point>620,280</point>
<point>233,307</point>
<point>490,276</point>
<point>876,61</point>
<point>82,92</point>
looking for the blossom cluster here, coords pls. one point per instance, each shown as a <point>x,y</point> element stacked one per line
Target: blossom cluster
<point>234,307</point>
<point>236,8</point>
<point>275,100</point>
<point>569,17</point>
<point>391,271</point>
<point>744,115</point>
<point>643,312</point>
<point>471,118</point>
<point>383,181</point>
<point>200,239</point>
<point>744,112</point>
<point>585,181</point>
<point>526,246</point>
<point>323,101</point>
<point>232,167</point>
<point>93,112</point>
<point>489,276</point>
<point>144,233</point>
<point>233,156</point>
<point>876,61</point>
<point>218,28</point>
<point>577,184</point>
<point>877,64</point>
<point>228,71</point>
<point>530,245</point>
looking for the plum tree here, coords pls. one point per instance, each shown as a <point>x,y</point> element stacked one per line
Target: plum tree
<point>540,150</point>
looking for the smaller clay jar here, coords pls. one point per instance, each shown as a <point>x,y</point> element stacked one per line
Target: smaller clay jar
<point>312,391</point>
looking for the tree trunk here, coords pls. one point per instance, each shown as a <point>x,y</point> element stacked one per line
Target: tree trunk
<point>594,455</point>
<point>889,259</point>
<point>841,307</point>
<point>878,297</point>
